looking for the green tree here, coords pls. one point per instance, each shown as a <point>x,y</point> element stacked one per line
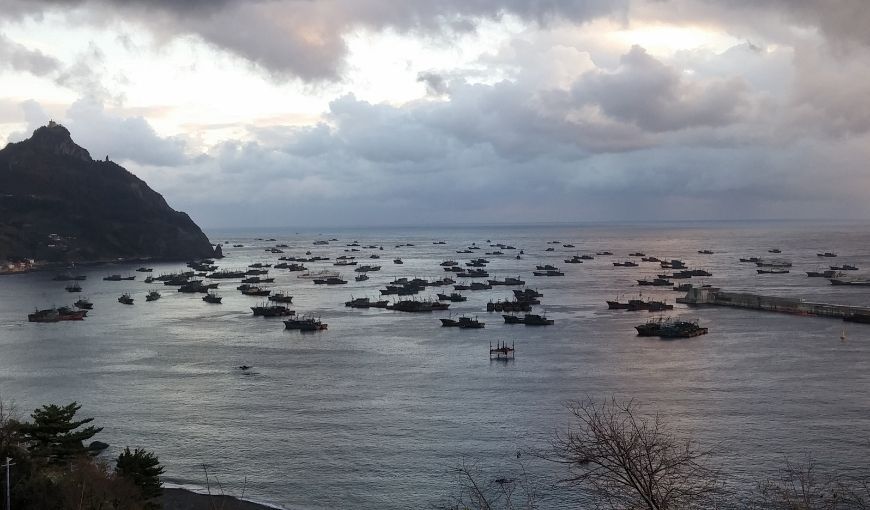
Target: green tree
<point>143,469</point>
<point>56,437</point>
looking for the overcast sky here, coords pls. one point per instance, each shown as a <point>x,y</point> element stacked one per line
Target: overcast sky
<point>378,112</point>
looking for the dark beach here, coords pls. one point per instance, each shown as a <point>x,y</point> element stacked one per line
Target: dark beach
<point>183,499</point>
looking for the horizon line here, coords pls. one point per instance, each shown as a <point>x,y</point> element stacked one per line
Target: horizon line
<point>540,224</point>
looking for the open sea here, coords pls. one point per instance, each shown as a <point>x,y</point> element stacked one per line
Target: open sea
<point>376,411</point>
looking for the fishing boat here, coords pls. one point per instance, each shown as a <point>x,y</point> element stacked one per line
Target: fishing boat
<point>305,324</point>
<point>308,275</point>
<point>269,310</point>
<point>681,329</point>
<point>365,303</point>
<point>125,299</point>
<point>281,297</point>
<point>256,291</point>
<point>152,296</point>
<point>68,314</point>
<point>212,298</point>
<point>501,352</point>
<point>537,320</point>
<point>462,323</point>
<point>332,280</point>
<point>412,306</point>
<point>84,304</point>
<point>548,272</point>
<point>48,315</point>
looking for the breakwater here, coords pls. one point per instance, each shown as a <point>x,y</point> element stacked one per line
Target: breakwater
<point>717,297</point>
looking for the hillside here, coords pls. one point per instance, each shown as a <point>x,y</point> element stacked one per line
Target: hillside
<point>57,204</point>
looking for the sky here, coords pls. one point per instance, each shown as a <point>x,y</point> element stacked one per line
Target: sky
<point>247,113</point>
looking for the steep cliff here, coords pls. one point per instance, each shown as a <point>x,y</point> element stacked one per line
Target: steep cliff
<point>58,204</point>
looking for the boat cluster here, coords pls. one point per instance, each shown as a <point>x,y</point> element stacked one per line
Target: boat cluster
<point>668,328</point>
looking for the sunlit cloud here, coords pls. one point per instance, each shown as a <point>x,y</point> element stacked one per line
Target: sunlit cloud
<point>564,109</point>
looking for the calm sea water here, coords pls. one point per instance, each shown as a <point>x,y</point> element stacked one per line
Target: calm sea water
<point>374,412</point>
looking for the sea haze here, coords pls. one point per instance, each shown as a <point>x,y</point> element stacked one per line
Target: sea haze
<point>374,412</point>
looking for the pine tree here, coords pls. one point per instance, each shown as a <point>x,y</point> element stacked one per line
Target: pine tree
<point>143,469</point>
<point>53,434</point>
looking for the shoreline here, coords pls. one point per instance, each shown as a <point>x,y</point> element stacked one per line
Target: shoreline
<point>178,498</point>
<point>39,267</point>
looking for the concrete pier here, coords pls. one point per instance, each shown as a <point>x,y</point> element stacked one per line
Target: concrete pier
<point>716,297</point>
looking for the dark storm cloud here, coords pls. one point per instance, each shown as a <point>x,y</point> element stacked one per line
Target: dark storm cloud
<point>305,38</point>
<point>656,97</point>
<point>839,20</point>
<point>493,152</point>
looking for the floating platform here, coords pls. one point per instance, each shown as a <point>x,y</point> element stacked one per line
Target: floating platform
<point>796,306</point>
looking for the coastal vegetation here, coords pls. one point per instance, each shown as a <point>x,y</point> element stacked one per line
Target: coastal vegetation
<point>53,467</point>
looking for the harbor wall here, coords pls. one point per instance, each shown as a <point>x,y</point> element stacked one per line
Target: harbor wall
<point>716,297</point>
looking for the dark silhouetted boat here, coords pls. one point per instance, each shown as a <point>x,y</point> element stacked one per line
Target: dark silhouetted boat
<point>681,329</point>
<point>537,320</point>
<point>212,298</point>
<point>305,324</point>
<point>48,315</point>
<point>281,297</point>
<point>269,310</point>
<point>508,306</point>
<point>656,282</point>
<point>332,280</point>
<point>255,291</point>
<point>68,314</point>
<point>548,272</point>
<point>365,303</point>
<point>84,304</point>
<point>501,352</point>
<point>462,323</point>
<point>118,278</point>
<point>413,306</point>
